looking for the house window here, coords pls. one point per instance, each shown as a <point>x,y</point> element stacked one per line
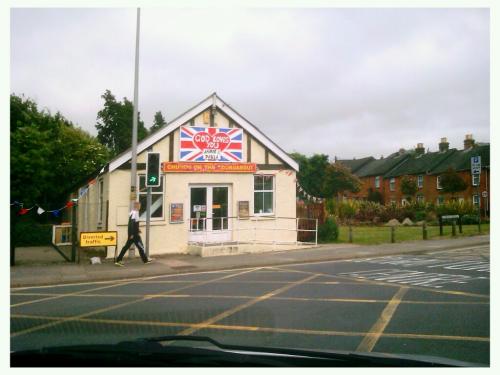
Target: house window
<point>392,184</point>
<point>420,181</point>
<point>475,179</point>
<point>377,182</point>
<point>420,198</point>
<point>476,200</point>
<point>100,201</point>
<point>438,183</point>
<point>440,200</point>
<point>263,195</point>
<point>157,194</point>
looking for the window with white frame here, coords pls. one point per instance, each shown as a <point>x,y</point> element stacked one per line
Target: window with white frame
<point>392,184</point>
<point>476,200</point>
<point>157,198</point>
<point>438,183</point>
<point>100,200</point>
<point>475,179</point>
<point>440,200</point>
<point>420,198</point>
<point>377,182</point>
<point>420,181</point>
<point>263,195</point>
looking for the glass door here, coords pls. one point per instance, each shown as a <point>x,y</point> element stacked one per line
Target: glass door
<point>198,209</point>
<point>220,208</point>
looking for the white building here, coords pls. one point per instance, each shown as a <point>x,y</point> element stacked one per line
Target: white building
<point>223,182</point>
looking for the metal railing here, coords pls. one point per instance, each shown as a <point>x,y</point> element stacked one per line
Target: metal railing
<point>265,230</point>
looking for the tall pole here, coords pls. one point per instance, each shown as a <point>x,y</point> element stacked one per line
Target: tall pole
<point>133,167</point>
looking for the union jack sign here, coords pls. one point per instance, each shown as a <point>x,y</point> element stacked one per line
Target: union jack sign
<point>208,144</point>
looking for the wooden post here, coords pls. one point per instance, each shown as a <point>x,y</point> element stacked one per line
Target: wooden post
<point>350,233</point>
<point>393,234</point>
<point>460,224</point>
<point>73,232</point>
<point>453,228</point>
<point>440,225</point>
<point>424,230</point>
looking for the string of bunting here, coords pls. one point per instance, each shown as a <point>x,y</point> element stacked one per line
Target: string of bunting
<point>56,212</point>
<point>307,195</point>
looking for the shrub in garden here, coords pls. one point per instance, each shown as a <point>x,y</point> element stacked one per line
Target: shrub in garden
<point>328,231</point>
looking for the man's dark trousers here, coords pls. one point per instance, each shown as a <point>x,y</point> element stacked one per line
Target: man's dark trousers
<point>136,239</point>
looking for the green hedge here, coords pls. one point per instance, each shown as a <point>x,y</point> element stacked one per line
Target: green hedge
<point>328,231</point>
<point>29,233</point>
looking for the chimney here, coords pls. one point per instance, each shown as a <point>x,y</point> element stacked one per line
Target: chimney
<point>444,145</point>
<point>468,141</point>
<point>420,150</point>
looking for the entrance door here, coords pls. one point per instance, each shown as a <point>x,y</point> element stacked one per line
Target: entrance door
<point>209,213</point>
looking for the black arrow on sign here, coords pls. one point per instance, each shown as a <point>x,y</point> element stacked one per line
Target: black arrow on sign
<point>109,238</point>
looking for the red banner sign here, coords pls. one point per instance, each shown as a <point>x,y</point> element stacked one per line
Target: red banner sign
<point>186,167</point>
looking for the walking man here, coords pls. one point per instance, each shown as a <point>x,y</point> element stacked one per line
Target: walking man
<point>133,237</point>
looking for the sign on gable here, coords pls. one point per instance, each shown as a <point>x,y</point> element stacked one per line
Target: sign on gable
<point>209,144</point>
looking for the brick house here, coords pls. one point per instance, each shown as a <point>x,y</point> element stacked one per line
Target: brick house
<point>385,174</point>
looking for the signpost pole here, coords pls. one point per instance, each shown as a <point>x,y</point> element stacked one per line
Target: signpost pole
<point>148,219</point>
<point>13,219</point>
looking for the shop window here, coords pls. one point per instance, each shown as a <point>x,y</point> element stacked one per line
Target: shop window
<point>377,182</point>
<point>100,200</point>
<point>392,184</point>
<point>263,195</point>
<point>438,183</point>
<point>420,181</point>
<point>475,179</point>
<point>156,199</point>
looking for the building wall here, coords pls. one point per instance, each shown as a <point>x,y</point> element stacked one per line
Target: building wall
<point>173,238</point>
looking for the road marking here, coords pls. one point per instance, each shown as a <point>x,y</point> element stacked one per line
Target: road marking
<point>225,296</point>
<point>378,328</point>
<point>245,305</point>
<point>114,307</point>
<point>384,283</point>
<point>259,329</point>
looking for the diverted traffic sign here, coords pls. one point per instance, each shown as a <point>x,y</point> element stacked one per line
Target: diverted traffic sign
<point>448,217</point>
<point>90,239</point>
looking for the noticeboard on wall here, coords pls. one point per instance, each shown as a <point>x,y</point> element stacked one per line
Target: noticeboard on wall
<point>243,209</point>
<point>176,213</point>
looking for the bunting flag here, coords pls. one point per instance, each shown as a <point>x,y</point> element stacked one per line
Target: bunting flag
<point>70,204</point>
<point>306,195</point>
<point>40,210</point>
<point>55,213</point>
<point>23,211</point>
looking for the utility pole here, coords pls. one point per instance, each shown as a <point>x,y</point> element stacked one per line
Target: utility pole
<point>133,166</point>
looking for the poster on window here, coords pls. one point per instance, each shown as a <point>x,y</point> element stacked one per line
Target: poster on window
<point>176,213</point>
<point>209,144</point>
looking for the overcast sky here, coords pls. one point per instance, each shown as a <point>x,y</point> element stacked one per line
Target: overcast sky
<point>345,82</point>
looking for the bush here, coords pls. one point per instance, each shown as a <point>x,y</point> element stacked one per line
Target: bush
<point>469,219</point>
<point>30,233</point>
<point>328,231</point>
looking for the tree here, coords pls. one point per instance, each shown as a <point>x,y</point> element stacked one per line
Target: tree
<point>48,154</point>
<point>158,122</point>
<point>321,178</point>
<point>114,125</point>
<point>409,187</point>
<point>452,183</point>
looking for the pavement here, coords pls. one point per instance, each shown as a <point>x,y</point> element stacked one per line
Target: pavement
<point>427,301</point>
<point>66,273</point>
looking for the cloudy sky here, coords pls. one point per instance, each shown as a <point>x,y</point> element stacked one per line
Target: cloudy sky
<point>345,82</point>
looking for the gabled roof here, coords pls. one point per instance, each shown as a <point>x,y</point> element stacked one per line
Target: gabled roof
<point>379,167</point>
<point>355,164</point>
<point>420,164</point>
<point>460,160</point>
<point>210,101</point>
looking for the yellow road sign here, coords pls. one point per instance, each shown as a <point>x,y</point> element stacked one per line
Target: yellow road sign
<point>89,239</point>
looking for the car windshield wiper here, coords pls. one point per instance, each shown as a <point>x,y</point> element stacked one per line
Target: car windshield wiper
<point>207,352</point>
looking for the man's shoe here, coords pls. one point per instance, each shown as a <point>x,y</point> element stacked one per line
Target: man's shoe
<point>150,260</point>
<point>119,264</point>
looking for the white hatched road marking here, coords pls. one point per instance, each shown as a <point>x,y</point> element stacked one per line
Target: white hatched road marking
<point>433,280</point>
